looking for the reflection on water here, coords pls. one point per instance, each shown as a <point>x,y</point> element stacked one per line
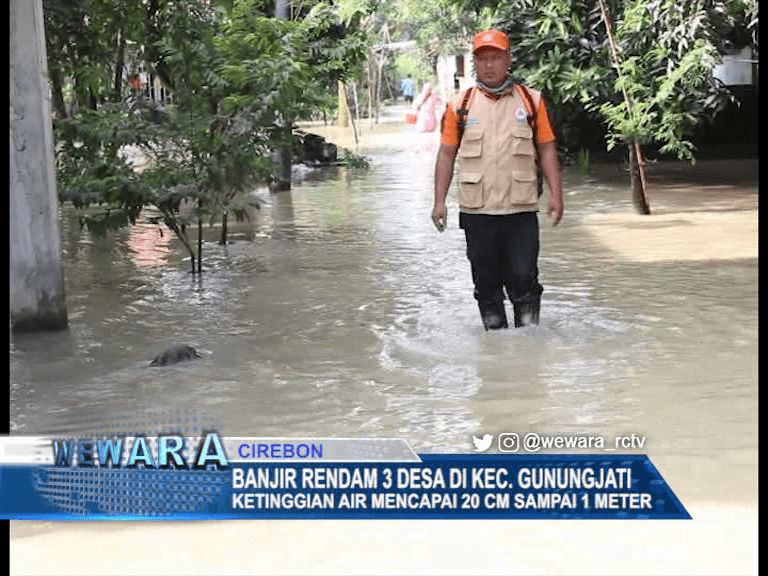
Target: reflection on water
<point>149,245</point>
<point>339,311</point>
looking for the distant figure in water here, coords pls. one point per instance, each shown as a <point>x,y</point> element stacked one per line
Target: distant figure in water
<point>427,104</point>
<point>176,354</point>
<point>407,88</point>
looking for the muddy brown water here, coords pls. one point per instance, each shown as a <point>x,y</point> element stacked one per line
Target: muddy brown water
<point>340,311</point>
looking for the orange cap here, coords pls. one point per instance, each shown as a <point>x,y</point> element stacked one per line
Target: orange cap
<point>491,38</point>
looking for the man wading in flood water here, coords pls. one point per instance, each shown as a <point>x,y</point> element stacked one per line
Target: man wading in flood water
<point>491,128</point>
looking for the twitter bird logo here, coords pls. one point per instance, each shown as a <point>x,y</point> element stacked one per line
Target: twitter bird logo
<point>482,444</point>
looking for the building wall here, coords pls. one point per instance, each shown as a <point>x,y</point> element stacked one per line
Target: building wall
<point>736,69</point>
<point>447,68</point>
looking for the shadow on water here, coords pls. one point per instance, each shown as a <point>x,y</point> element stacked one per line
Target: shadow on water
<point>339,311</point>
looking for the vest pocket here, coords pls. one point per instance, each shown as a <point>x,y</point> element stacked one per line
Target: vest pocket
<point>524,187</point>
<point>522,147</point>
<point>471,190</point>
<point>471,142</point>
<point>522,141</point>
<point>522,130</point>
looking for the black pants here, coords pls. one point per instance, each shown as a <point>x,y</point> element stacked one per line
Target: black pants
<point>503,252</point>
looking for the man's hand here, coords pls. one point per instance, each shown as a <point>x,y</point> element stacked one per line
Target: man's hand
<point>550,165</point>
<point>439,216</point>
<point>446,156</point>
<point>555,210</point>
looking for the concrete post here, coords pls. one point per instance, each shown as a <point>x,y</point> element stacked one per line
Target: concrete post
<point>36,275</point>
<point>282,157</point>
<point>283,9</point>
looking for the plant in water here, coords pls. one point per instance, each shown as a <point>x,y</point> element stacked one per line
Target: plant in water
<point>352,160</point>
<point>583,162</point>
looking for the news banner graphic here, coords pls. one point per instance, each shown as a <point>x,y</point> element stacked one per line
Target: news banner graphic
<point>208,477</point>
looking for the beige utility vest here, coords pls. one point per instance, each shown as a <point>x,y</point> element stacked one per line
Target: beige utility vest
<point>497,157</point>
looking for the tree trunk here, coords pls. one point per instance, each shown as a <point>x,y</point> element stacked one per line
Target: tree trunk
<point>379,83</point>
<point>117,88</point>
<point>58,105</point>
<point>153,53</point>
<point>224,216</point>
<point>282,159</point>
<point>200,240</point>
<point>636,162</point>
<point>637,179</point>
<point>369,62</point>
<point>343,118</point>
<point>344,103</point>
<point>357,106</point>
<point>57,95</point>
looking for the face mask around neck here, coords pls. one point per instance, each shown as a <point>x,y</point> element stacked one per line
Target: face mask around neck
<point>508,83</point>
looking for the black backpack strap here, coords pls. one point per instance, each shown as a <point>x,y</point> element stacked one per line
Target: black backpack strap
<point>463,112</point>
<point>526,93</point>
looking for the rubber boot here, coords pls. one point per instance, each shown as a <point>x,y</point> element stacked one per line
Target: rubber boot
<point>493,314</point>
<point>527,313</point>
<point>493,321</point>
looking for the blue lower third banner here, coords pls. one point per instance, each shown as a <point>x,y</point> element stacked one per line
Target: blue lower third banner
<point>171,478</point>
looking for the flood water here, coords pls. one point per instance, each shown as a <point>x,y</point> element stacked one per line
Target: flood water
<point>339,311</point>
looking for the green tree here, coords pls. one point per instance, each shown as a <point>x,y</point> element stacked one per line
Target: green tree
<point>234,71</point>
<point>438,26</point>
<point>664,55</point>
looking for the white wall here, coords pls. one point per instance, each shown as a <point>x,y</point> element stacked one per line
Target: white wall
<point>736,68</point>
<point>446,67</point>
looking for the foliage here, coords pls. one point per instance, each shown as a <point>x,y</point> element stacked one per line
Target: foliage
<point>93,171</point>
<point>662,109</point>
<point>235,73</point>
<point>583,162</point>
<point>410,64</point>
<point>666,51</point>
<point>437,26</point>
<point>352,160</point>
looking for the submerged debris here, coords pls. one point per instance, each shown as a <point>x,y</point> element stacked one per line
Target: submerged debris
<point>176,354</point>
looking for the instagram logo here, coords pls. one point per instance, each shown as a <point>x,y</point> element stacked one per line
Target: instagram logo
<point>509,442</point>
